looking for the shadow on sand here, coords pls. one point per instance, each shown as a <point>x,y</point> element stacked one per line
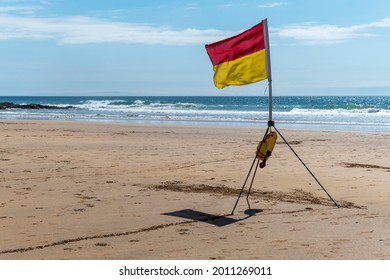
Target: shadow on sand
<point>216,220</point>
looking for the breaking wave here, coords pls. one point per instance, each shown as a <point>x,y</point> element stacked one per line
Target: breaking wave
<point>323,112</point>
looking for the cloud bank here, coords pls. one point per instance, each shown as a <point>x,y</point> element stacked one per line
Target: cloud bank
<point>271,5</point>
<point>327,34</point>
<point>87,30</point>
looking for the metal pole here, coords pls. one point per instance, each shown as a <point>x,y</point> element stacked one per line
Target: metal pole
<point>243,186</point>
<point>307,168</point>
<point>268,66</point>
<point>250,170</point>
<point>250,187</point>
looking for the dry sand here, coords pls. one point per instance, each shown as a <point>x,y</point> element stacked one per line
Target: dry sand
<point>74,190</point>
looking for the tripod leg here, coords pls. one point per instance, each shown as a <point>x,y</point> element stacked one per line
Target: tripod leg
<point>243,186</point>
<point>306,167</point>
<point>250,170</point>
<point>250,187</point>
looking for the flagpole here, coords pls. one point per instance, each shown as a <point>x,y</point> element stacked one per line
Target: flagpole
<point>268,66</point>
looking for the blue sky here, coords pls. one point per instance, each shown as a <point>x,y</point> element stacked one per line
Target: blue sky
<point>119,47</point>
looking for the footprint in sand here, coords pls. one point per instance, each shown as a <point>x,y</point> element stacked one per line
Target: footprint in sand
<point>101,244</point>
<point>183,231</point>
<point>296,229</point>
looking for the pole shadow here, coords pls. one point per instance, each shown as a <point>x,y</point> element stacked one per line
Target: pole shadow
<point>216,220</point>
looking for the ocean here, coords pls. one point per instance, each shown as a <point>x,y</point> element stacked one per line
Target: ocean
<point>342,113</point>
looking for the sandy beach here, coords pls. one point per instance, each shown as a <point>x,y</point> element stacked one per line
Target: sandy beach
<point>73,190</point>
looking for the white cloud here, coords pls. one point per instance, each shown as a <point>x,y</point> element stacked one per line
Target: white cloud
<point>191,6</point>
<point>20,9</point>
<point>271,5</point>
<point>228,6</point>
<point>84,30</point>
<point>11,1</point>
<point>312,33</point>
<point>87,30</point>
<point>11,8</point>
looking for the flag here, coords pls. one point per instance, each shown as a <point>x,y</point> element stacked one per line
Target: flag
<point>240,59</point>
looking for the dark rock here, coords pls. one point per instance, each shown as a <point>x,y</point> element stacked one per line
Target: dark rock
<point>10,105</point>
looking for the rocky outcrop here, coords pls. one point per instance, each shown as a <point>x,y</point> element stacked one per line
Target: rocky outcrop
<point>10,105</point>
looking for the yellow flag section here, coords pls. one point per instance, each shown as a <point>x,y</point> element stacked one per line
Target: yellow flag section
<point>265,147</point>
<point>240,59</point>
<point>241,71</point>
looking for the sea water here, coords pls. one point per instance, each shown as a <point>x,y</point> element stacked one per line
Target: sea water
<point>344,113</point>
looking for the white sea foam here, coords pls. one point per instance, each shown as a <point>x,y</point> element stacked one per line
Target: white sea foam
<point>339,111</point>
<point>206,110</point>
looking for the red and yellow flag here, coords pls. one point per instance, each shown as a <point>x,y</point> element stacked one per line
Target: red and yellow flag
<point>240,59</point>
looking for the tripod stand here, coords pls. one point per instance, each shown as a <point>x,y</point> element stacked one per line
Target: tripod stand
<point>271,124</point>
